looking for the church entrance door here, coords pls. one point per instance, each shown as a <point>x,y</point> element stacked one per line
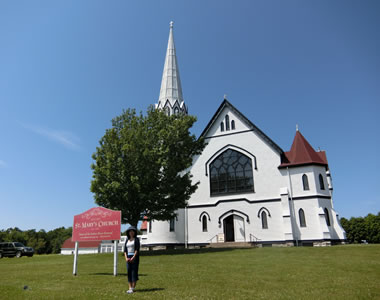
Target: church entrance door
<point>239,229</point>
<point>234,229</point>
<point>229,231</point>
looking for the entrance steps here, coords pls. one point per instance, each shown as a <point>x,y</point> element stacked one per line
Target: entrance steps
<point>232,245</point>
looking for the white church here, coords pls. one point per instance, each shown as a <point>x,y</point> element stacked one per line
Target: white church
<point>250,190</point>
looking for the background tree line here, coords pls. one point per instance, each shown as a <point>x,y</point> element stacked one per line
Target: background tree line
<point>43,242</point>
<point>358,229</point>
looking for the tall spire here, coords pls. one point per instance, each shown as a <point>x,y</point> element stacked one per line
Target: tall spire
<point>171,99</point>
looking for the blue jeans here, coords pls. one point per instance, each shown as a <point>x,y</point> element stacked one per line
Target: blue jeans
<point>133,270</point>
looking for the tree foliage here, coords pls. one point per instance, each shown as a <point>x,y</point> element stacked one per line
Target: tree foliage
<point>141,165</point>
<point>43,242</point>
<point>359,229</point>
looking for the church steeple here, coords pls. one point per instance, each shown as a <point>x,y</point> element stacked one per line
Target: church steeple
<point>171,98</point>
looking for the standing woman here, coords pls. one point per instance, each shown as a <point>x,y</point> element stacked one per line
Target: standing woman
<point>132,253</point>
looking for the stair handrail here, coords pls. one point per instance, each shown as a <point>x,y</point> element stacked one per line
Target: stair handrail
<point>215,236</point>
<point>255,239</point>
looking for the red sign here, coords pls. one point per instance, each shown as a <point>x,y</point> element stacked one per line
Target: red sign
<point>97,224</point>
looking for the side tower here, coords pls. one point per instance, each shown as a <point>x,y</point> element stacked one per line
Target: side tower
<point>311,204</point>
<point>171,98</point>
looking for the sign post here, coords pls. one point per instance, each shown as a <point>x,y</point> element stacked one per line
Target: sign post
<point>96,224</point>
<point>75,267</point>
<point>115,258</point>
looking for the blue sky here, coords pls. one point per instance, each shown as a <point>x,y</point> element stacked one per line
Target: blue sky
<point>68,67</point>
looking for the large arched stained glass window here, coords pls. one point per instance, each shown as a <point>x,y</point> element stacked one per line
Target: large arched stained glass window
<point>231,172</point>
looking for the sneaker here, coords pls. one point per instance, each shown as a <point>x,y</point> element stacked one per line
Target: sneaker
<point>130,291</point>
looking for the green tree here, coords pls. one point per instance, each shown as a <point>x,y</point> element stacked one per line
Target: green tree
<point>43,242</point>
<point>56,238</point>
<point>3,236</point>
<point>141,165</point>
<point>372,223</point>
<point>15,235</point>
<point>36,240</point>
<point>358,229</point>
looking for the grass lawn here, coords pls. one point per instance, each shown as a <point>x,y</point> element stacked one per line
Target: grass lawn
<point>339,272</point>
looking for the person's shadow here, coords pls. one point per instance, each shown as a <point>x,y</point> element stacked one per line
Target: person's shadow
<point>149,290</point>
<point>111,274</point>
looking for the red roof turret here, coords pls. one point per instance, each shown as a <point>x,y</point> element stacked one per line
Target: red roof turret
<point>144,225</point>
<point>302,153</point>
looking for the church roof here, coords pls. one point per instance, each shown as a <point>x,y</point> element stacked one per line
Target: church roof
<point>171,89</point>
<point>144,225</point>
<point>302,153</point>
<point>69,244</point>
<point>250,125</point>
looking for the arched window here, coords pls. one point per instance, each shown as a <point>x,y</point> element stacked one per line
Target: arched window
<point>221,126</point>
<point>171,224</point>
<point>150,225</point>
<point>301,215</point>
<point>176,111</point>
<point>321,182</point>
<point>227,122</point>
<point>232,124</point>
<point>167,110</point>
<point>204,223</point>
<point>327,216</point>
<point>231,172</point>
<point>264,220</point>
<point>305,182</point>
